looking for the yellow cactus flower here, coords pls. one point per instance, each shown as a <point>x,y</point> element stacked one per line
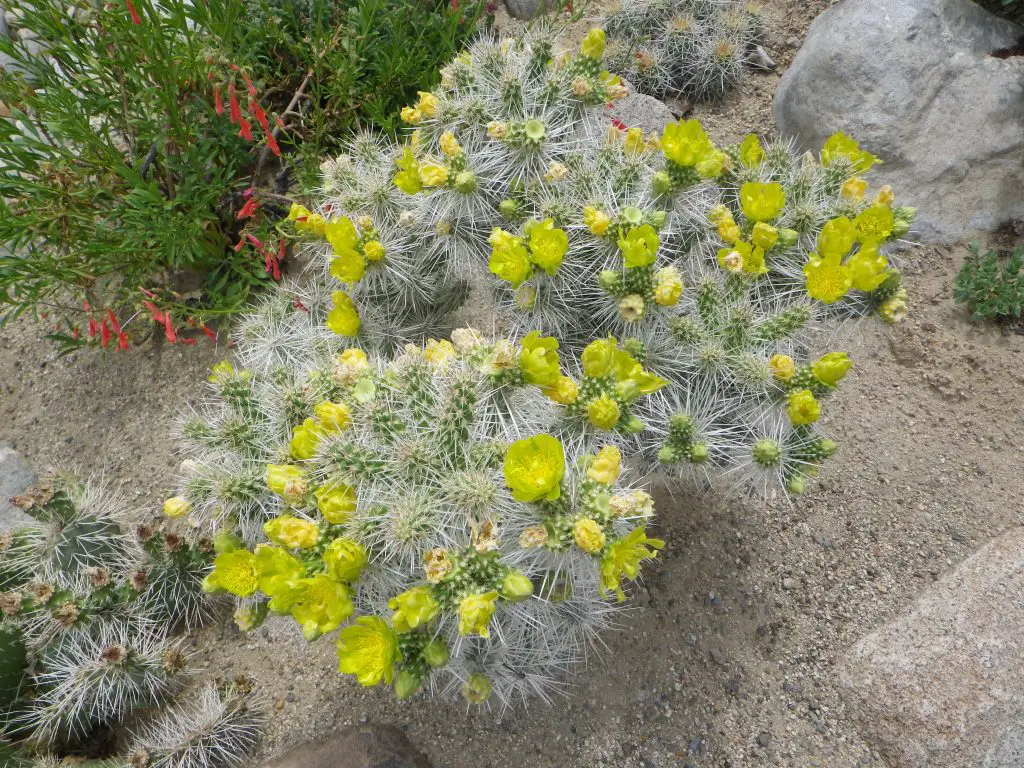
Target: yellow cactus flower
<point>836,237</point>
<point>176,506</point>
<point>233,572</point>
<point>412,608</point>
<point>437,565</point>
<point>588,535</point>
<point>548,246</point>
<point>408,177</point>
<point>318,603</point>
<point>449,144</point>
<point>438,351</point>
<point>729,231</point>
<point>646,382</point>
<point>596,221</point>
<point>343,318</point>
<point>885,196</point>
<point>874,224</point>
<point>599,357</point>
<point>828,280</point>
<point>373,250</point>
<point>539,360</point>
<point>345,560</point>
<point>292,532</point>
<point>751,151</point>
<point>803,408</point>
<point>731,260</point>
<point>305,439</point>
<point>354,361</point>
<point>534,468</point>
<point>287,481</point>
<point>868,268</point>
<point>341,234</point>
<point>593,43</point>
<point>783,368</point>
<point>640,247</point>
<point>839,145</point>
<point>369,650</point>
<point>427,104</point>
<point>719,215</point>
<point>297,212</point>
<point>603,412</point>
<point>433,175</point>
<point>764,236</point>
<point>223,372</point>
<point>333,417</point>
<point>563,391</point>
<point>831,368</point>
<point>668,287</point>
<point>336,502</point>
<point>623,557</point>
<point>475,613</point>
<point>634,142</point>
<point>278,569</point>
<point>712,165</point>
<point>411,115</point>
<point>509,258</point>
<point>854,188</point>
<point>606,466</point>
<point>685,143</point>
<point>762,202</point>
<point>348,268</point>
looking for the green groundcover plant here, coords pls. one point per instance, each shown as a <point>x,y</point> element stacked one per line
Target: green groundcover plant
<point>992,285</point>
<point>137,136</point>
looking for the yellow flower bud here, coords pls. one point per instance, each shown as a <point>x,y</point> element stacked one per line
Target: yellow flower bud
<point>764,235</point>
<point>411,115</point>
<point>475,613</point>
<point>588,535</point>
<point>783,368</point>
<point>516,586</point>
<point>373,250</point>
<point>831,368</point>
<point>596,221</point>
<point>603,412</point>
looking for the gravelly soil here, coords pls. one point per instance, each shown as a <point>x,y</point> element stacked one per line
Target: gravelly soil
<point>728,659</point>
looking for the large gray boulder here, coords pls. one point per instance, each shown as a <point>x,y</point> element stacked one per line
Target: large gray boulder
<point>943,686</point>
<point>15,477</point>
<point>359,746</point>
<point>916,83</point>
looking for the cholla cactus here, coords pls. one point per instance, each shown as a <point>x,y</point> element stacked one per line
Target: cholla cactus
<point>458,506</point>
<point>694,48</point>
<point>86,607</point>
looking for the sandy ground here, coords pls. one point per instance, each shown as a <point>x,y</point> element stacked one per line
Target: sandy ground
<point>729,657</point>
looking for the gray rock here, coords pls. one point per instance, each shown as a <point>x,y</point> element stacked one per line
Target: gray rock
<point>638,110</point>
<point>15,477</point>
<point>362,746</point>
<point>914,82</point>
<point>526,9</point>
<point>758,58</point>
<point>943,686</point>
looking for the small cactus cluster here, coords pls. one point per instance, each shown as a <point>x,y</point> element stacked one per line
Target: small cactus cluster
<point>87,605</point>
<point>449,506</point>
<point>692,48</point>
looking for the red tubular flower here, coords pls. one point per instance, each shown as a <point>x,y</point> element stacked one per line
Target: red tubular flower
<point>261,118</point>
<point>218,102</point>
<point>104,334</point>
<point>235,110</point>
<point>169,332</point>
<point>619,124</point>
<point>254,240</point>
<point>248,84</point>
<point>189,342</point>
<point>94,327</point>
<point>75,332</point>
<point>113,321</point>
<point>154,312</point>
<point>133,12</point>
<point>280,123</point>
<point>248,209</point>
<point>122,342</point>
<point>208,332</point>
<point>244,130</point>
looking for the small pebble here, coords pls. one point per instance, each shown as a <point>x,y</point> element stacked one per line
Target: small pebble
<point>764,739</point>
<point>788,583</point>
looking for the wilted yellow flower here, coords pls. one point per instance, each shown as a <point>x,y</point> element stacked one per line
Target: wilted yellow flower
<point>336,502</point>
<point>373,250</point>
<point>333,417</point>
<point>563,390</point>
<point>539,360</point>
<point>685,143</point>
<point>369,650</point>
<point>606,466</point>
<point>548,246</point>
<point>712,164</point>
<point>831,368</point>
<point>616,91</point>
<point>555,173</point>
<point>593,43</point>
<point>827,279</point>
<point>623,558</point>
<point>411,115</point>
<point>233,572</point>
<point>305,439</point>
<point>762,202</point>
<point>720,214</point>
<point>885,196</point>
<point>632,504</point>
<point>533,537</point>
<point>509,258</point>
<point>839,145</point>
<point>631,307</point>
<point>596,221</point>
<point>764,235</point>
<point>449,144</point>
<point>854,188</point>
<point>783,367</point>
<point>412,608</point>
<point>437,565</point>
<point>343,319</point>
<point>836,237</point>
<point>581,86</point>
<point>287,481</point>
<point>640,247</point>
<point>751,151</point>
<point>603,412</point>
<point>668,287</point>
<point>475,613</point>
<point>433,175</point>
<point>874,224</point>
<point>344,559</point>
<point>803,408</point>
<point>245,617</point>
<point>893,310</point>
<point>497,130</point>
<point>588,535</point>
<point>502,358</point>
<point>534,468</point>
<point>292,532</point>
<point>350,365</point>
<point>466,339</point>
<point>176,506</point>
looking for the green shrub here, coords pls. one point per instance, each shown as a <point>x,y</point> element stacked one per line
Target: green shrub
<point>130,170</point>
<point>992,285</point>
